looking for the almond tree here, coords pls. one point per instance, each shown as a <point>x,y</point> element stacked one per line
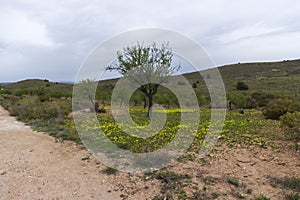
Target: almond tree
<point>142,64</point>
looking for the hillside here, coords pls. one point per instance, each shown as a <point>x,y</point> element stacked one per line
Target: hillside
<point>259,156</point>
<point>37,86</point>
<point>275,77</point>
<point>272,77</point>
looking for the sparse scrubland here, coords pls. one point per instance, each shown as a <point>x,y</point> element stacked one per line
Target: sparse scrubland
<point>268,92</point>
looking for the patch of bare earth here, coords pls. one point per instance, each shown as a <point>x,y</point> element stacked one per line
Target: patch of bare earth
<point>34,166</point>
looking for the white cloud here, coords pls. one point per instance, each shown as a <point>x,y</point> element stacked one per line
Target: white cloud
<point>52,38</point>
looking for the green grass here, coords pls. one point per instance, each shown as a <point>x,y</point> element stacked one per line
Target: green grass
<point>292,183</point>
<point>109,171</point>
<point>262,197</point>
<point>292,196</point>
<point>233,181</point>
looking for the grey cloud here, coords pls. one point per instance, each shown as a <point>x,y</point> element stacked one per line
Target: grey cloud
<point>230,30</point>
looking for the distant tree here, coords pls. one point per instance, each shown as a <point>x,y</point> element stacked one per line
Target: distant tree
<point>242,86</point>
<point>87,90</point>
<point>140,63</point>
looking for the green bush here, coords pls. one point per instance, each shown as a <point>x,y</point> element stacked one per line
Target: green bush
<point>3,90</point>
<point>29,91</point>
<point>57,93</point>
<point>32,108</point>
<point>259,99</point>
<point>242,86</point>
<point>290,123</point>
<point>277,108</point>
<point>262,197</point>
<point>292,196</point>
<point>238,98</point>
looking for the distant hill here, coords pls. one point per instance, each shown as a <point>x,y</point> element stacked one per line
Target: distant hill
<point>36,84</point>
<point>272,77</point>
<point>5,83</point>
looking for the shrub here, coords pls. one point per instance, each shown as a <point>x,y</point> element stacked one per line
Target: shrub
<point>238,98</point>
<point>32,108</point>
<point>242,86</point>
<point>259,99</point>
<point>56,93</point>
<point>28,91</point>
<point>3,90</point>
<point>233,181</point>
<point>109,171</point>
<point>290,123</point>
<point>292,196</point>
<point>279,107</point>
<point>262,197</point>
<point>292,182</point>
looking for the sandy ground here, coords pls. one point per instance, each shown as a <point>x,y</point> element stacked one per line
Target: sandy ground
<point>34,166</point>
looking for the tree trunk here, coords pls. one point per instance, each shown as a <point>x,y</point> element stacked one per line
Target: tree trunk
<point>150,104</point>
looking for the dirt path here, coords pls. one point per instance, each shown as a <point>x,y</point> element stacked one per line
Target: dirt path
<point>34,166</point>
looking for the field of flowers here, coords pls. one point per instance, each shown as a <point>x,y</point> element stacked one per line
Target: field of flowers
<point>243,129</point>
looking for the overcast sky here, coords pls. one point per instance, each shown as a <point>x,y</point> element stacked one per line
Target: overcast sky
<point>50,39</point>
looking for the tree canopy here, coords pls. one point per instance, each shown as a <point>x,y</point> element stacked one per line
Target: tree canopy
<point>146,64</point>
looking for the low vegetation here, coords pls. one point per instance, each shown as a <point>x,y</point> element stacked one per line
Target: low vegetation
<point>270,115</point>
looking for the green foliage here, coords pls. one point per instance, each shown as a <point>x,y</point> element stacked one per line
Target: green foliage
<point>279,107</point>
<point>3,90</point>
<point>54,93</point>
<point>167,100</point>
<point>292,183</point>
<point>109,171</point>
<point>169,176</point>
<point>171,181</point>
<point>149,63</point>
<point>28,91</point>
<point>292,196</point>
<point>238,98</point>
<point>233,181</point>
<point>32,108</point>
<point>242,86</point>
<point>250,128</point>
<point>137,55</point>
<point>262,197</point>
<point>259,99</point>
<point>44,116</point>
<point>290,124</point>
